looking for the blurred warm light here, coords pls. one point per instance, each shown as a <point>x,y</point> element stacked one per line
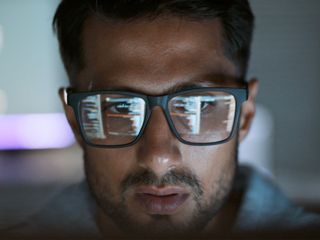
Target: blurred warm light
<point>3,102</point>
<point>34,131</point>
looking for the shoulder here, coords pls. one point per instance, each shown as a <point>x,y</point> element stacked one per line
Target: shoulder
<point>264,206</point>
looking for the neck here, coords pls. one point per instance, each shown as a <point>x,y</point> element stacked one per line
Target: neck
<point>222,224</point>
<point>108,229</point>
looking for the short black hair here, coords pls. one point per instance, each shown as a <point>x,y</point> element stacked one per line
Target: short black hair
<point>235,15</point>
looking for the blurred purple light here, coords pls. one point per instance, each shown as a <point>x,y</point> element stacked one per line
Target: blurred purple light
<point>34,131</point>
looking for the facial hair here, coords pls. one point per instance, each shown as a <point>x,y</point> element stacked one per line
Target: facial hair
<point>160,226</point>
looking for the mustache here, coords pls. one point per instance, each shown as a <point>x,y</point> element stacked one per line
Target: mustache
<point>172,177</point>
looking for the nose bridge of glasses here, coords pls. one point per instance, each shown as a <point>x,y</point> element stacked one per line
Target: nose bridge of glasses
<point>157,101</point>
<point>161,101</point>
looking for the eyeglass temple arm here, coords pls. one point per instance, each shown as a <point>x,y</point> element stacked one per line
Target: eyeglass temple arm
<point>65,94</point>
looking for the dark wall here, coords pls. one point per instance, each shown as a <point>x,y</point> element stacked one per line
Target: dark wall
<point>286,59</point>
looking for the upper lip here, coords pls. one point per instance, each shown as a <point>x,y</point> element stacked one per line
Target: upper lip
<point>160,191</point>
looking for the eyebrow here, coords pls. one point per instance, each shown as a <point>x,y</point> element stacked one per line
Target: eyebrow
<point>208,81</point>
<point>221,81</point>
<point>190,85</point>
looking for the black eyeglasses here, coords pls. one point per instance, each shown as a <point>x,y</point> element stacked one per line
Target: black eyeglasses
<point>201,116</point>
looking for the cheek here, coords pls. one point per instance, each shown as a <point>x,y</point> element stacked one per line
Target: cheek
<point>106,168</point>
<point>212,164</point>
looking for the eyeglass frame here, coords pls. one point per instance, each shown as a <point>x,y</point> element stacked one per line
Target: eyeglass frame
<point>73,99</point>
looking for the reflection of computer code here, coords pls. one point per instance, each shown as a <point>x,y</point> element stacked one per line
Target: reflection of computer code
<point>191,111</point>
<point>130,112</point>
<point>91,115</point>
<point>105,115</point>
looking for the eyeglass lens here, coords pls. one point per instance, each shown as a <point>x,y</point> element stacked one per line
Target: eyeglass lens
<point>111,119</point>
<point>198,117</point>
<point>203,117</point>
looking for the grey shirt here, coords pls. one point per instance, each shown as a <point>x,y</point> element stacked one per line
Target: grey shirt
<point>70,211</point>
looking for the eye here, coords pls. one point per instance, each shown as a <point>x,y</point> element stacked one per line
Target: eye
<point>179,107</point>
<point>191,104</point>
<point>116,108</point>
<point>207,106</point>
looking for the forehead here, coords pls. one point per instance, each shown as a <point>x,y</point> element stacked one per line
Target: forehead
<point>152,56</point>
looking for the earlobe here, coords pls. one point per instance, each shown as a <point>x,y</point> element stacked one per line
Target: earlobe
<point>248,110</point>
<point>70,117</point>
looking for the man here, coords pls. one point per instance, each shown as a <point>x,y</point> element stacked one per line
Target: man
<point>142,162</point>
<point>159,102</point>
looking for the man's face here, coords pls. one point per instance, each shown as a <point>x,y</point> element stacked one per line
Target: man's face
<point>159,185</point>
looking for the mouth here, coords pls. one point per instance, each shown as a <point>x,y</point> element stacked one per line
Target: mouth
<point>161,201</point>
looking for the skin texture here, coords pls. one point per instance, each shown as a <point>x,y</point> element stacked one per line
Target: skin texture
<point>157,57</point>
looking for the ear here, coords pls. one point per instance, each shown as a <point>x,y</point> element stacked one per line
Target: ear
<point>248,110</point>
<point>71,118</point>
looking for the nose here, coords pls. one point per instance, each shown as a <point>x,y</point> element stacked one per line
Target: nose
<point>158,147</point>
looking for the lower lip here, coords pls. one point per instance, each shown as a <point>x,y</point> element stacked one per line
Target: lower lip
<point>161,205</point>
